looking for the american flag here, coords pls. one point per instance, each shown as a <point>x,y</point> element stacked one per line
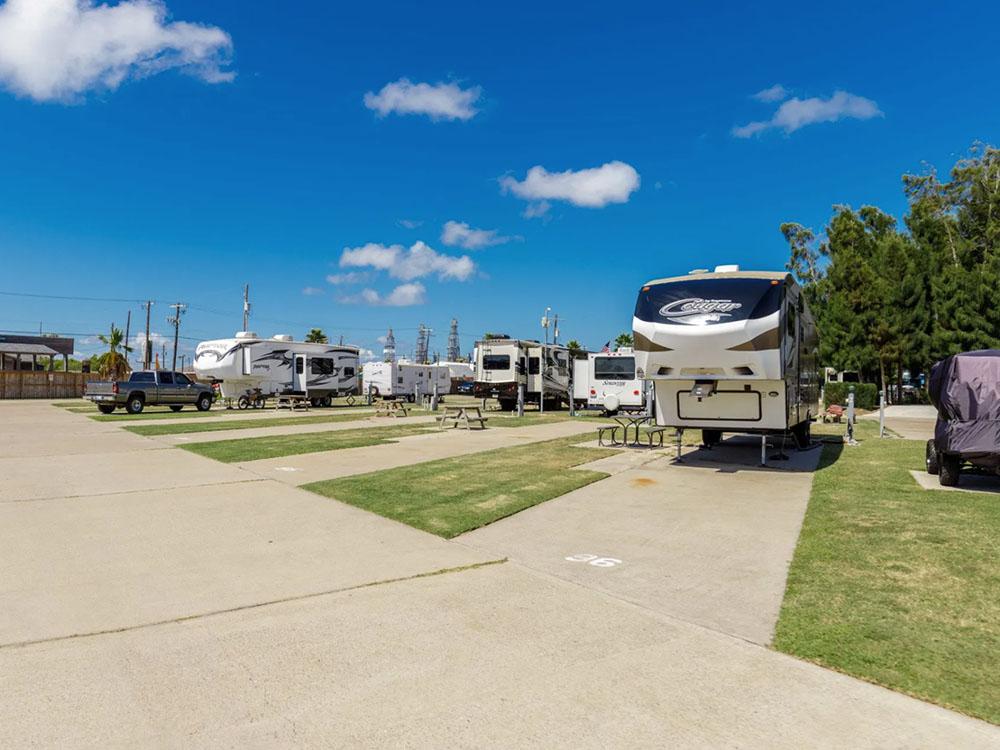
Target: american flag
<point>606,349</point>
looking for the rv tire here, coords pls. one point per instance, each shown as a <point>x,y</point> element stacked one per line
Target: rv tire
<point>711,438</point>
<point>204,402</point>
<point>932,458</point>
<point>326,401</point>
<point>106,408</point>
<point>802,433</point>
<point>950,466</point>
<point>507,404</point>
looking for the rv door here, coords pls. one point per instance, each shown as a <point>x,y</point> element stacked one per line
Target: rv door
<point>299,374</point>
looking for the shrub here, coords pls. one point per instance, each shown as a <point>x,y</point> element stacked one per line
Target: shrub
<point>865,394</point>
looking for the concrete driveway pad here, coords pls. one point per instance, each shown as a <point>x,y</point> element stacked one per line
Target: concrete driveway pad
<point>106,562</point>
<point>688,540</point>
<point>494,657</point>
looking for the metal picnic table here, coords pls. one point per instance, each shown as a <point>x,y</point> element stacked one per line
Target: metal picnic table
<point>465,415</point>
<point>629,421</point>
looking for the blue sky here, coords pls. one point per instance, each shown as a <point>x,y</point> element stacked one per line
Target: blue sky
<point>243,151</point>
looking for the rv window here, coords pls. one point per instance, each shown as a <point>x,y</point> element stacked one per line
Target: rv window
<point>699,302</point>
<point>400,380</point>
<point>181,379</point>
<point>348,372</point>
<point>532,365</point>
<point>496,362</point>
<point>299,365</point>
<point>614,368</point>
<point>321,366</point>
<point>166,378</point>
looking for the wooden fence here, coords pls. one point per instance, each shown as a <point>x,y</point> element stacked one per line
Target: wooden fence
<point>29,384</point>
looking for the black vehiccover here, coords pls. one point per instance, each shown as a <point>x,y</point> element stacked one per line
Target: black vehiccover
<point>965,388</point>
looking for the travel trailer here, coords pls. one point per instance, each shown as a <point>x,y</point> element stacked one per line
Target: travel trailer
<point>405,379</point>
<point>729,351</point>
<point>502,363</point>
<point>608,380</point>
<point>278,365</point>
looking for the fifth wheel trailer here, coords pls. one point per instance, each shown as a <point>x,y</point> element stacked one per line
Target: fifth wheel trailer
<point>501,364</point>
<point>729,351</point>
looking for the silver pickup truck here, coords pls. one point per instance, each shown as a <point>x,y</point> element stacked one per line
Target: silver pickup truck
<point>150,388</point>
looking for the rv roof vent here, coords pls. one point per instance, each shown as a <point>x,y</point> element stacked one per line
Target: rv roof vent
<point>282,337</point>
<point>698,270</point>
<point>246,335</point>
<point>733,268</point>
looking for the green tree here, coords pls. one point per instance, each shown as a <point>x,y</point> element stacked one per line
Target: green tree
<point>316,336</point>
<point>623,340</point>
<point>113,364</point>
<point>576,350</point>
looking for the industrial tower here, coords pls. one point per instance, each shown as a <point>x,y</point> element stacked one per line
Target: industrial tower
<point>420,356</point>
<point>389,350</point>
<point>454,352</point>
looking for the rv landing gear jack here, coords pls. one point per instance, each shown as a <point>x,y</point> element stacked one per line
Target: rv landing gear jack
<point>763,450</point>
<point>680,435</point>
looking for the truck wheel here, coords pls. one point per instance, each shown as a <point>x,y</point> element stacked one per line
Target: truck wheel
<point>176,407</point>
<point>933,465</point>
<point>105,408</point>
<point>950,466</point>
<point>135,404</point>
<point>204,402</point>
<point>711,438</point>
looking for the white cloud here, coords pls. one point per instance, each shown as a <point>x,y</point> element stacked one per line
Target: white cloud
<point>351,277</point>
<point>60,49</point>
<point>407,264</point>
<point>613,182</point>
<point>367,355</point>
<point>312,291</point>
<point>462,235</point>
<point>410,223</point>
<point>404,295</point>
<point>439,101</point>
<point>536,210</point>
<point>775,93</point>
<point>797,113</point>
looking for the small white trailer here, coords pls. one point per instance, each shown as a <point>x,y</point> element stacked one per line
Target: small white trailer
<point>407,380</point>
<point>610,382</point>
<point>278,365</point>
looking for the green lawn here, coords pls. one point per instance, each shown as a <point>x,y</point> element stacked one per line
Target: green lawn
<point>253,449</point>
<point>895,584</point>
<point>150,430</point>
<point>454,495</point>
<point>163,412</point>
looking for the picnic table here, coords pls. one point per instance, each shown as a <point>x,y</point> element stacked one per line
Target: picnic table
<point>291,401</point>
<point>391,407</point>
<point>465,415</point>
<point>632,421</point>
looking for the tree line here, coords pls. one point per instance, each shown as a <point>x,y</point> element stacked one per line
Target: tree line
<point>890,297</point>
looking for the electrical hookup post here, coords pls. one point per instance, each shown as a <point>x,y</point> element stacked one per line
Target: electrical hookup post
<point>850,417</point>
<point>881,413</point>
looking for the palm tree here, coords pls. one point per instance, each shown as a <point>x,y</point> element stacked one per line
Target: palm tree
<point>576,350</point>
<point>316,336</point>
<point>113,364</point>
<point>623,340</point>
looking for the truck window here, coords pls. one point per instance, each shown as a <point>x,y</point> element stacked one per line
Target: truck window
<point>321,366</point>
<point>181,379</point>
<point>142,377</point>
<point>496,361</point>
<point>166,378</point>
<point>614,368</point>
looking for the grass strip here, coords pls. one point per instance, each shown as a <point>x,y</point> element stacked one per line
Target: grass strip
<point>151,413</point>
<point>254,449</point>
<point>896,584</point>
<point>450,496</point>
<point>152,430</point>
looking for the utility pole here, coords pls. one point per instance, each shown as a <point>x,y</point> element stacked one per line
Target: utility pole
<point>543,362</point>
<point>128,325</point>
<point>182,363</point>
<point>176,323</point>
<point>147,346</point>
<point>246,307</point>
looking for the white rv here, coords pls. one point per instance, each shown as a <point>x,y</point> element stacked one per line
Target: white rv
<point>610,382</point>
<point>405,379</point>
<point>729,351</point>
<point>460,372</point>
<point>277,365</point>
<point>501,364</point>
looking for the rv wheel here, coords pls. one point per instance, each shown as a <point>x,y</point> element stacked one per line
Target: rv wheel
<point>507,404</point>
<point>950,466</point>
<point>326,401</point>
<point>711,438</point>
<point>802,433</point>
<point>933,465</point>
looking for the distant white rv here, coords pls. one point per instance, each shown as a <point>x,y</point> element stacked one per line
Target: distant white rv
<point>278,365</point>
<point>608,380</point>
<point>404,379</point>
<point>502,363</point>
<point>729,351</point>
<point>460,372</point>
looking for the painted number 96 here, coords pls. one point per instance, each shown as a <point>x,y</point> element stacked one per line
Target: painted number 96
<point>595,560</point>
